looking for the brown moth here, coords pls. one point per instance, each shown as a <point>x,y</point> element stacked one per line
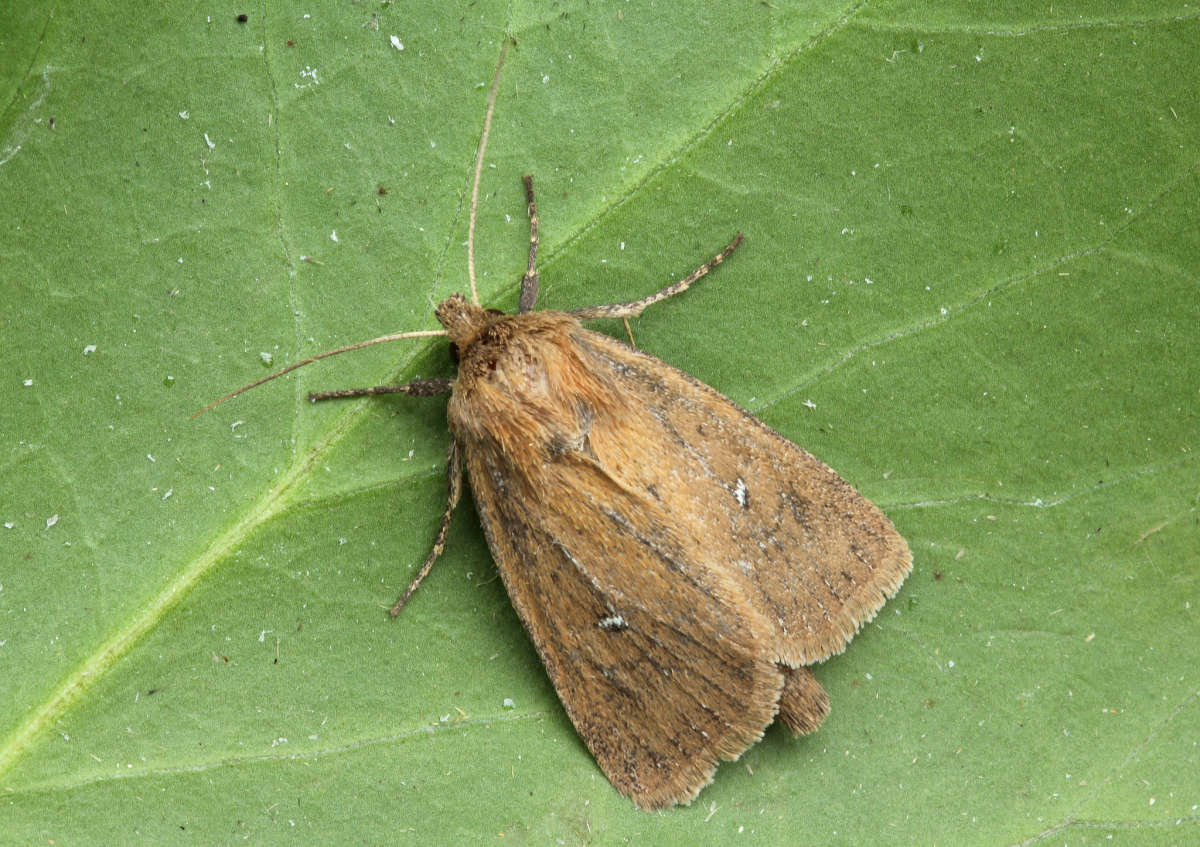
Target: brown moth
<point>677,564</point>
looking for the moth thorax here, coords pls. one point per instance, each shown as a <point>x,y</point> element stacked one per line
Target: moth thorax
<point>463,321</point>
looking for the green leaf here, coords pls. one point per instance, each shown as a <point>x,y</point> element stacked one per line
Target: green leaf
<point>969,283</point>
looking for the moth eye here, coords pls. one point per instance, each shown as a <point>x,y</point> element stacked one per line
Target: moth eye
<point>454,354</point>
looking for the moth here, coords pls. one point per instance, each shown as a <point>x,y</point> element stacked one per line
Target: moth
<point>678,565</point>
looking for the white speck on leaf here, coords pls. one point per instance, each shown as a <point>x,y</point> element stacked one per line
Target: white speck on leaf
<point>397,43</point>
<point>309,72</point>
<point>91,348</point>
<point>209,142</point>
<point>51,521</point>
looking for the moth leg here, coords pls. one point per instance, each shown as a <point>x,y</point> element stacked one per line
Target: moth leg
<point>803,703</point>
<point>454,480</point>
<point>416,388</point>
<point>529,282</point>
<point>633,308</point>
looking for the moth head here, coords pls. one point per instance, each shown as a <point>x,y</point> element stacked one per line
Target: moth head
<point>463,321</point>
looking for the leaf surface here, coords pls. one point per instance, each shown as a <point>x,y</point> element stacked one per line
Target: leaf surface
<point>969,284</point>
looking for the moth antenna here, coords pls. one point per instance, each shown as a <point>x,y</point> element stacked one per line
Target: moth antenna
<point>483,140</point>
<point>395,336</point>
